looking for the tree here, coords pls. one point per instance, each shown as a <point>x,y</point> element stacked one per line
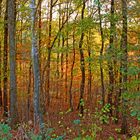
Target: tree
<point>111,55</point>
<point>0,62</point>
<point>67,47</point>
<point>71,73</point>
<point>49,49</point>
<point>82,64</point>
<point>12,58</point>
<point>101,53</point>
<point>58,55</point>
<point>35,61</point>
<point>123,66</point>
<point>5,62</point>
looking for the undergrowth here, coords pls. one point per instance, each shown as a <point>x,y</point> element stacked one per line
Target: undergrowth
<point>26,131</point>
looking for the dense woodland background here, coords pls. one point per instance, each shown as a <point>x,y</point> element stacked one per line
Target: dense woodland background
<point>67,55</point>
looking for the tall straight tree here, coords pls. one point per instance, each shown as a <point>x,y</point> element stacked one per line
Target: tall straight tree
<point>123,66</point>
<point>89,67</point>
<point>35,61</point>
<point>71,73</point>
<point>110,52</point>
<point>0,62</point>
<point>82,63</point>
<point>101,53</point>
<point>58,55</point>
<point>12,58</point>
<point>5,61</point>
<point>49,54</point>
<point>67,47</point>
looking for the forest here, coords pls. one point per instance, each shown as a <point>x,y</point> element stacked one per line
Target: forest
<point>69,69</point>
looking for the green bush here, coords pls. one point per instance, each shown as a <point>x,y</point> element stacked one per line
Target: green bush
<point>5,132</point>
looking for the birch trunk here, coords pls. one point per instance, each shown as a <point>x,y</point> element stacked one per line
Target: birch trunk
<point>35,62</point>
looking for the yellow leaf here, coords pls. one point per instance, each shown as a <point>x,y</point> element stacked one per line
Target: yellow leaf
<point>133,138</point>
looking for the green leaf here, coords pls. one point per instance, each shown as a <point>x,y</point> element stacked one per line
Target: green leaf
<point>76,121</point>
<point>82,103</point>
<point>138,118</point>
<point>133,113</point>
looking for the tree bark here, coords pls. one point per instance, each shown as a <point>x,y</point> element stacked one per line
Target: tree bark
<point>124,127</point>
<point>29,92</point>
<point>1,100</point>
<point>58,57</point>
<point>5,61</point>
<point>111,57</point>
<point>89,68</point>
<point>49,54</point>
<point>101,54</point>
<point>12,58</point>
<point>62,56</point>
<point>35,61</point>
<point>71,80</point>
<point>82,66</point>
<point>67,47</point>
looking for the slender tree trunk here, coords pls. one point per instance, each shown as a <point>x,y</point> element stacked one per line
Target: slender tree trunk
<point>62,56</point>
<point>124,62</point>
<point>35,61</point>
<point>89,98</point>
<point>29,93</point>
<point>101,54</point>
<point>112,64</point>
<point>49,54</point>
<point>39,27</point>
<point>111,56</point>
<point>71,80</point>
<point>5,61</point>
<point>12,58</point>
<point>89,68</point>
<point>58,56</point>
<point>82,66</point>
<point>1,101</point>
<point>48,76</point>
<point>67,47</point>
<point>39,32</point>
<point>42,96</point>
<point>116,91</point>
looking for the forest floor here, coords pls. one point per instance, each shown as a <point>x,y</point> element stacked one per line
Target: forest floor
<point>64,125</point>
<point>71,125</point>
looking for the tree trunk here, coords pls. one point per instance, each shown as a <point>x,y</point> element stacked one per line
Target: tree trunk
<point>49,55</point>
<point>124,67</point>
<point>29,93</point>
<point>12,58</point>
<point>89,68</point>
<point>5,61</point>
<point>35,61</point>
<point>58,56</point>
<point>71,80</point>
<point>101,55</point>
<point>62,56</point>
<point>48,76</point>
<point>1,101</point>
<point>111,56</point>
<point>39,27</point>
<point>67,47</point>
<point>82,66</point>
